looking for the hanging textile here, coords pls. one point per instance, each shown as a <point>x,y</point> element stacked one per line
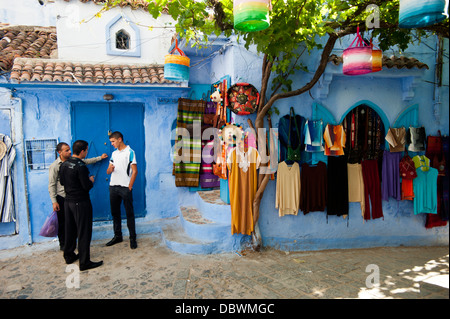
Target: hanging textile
<point>283,134</point>
<point>314,187</point>
<point>287,198</point>
<point>356,185</point>
<point>243,182</point>
<point>187,160</point>
<point>207,177</point>
<point>337,186</point>
<point>7,156</point>
<point>314,136</point>
<point>372,190</point>
<point>396,137</point>
<point>415,138</point>
<point>390,181</point>
<point>334,137</point>
<point>435,152</point>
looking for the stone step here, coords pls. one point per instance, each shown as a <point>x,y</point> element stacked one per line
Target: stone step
<point>200,227</point>
<point>176,239</point>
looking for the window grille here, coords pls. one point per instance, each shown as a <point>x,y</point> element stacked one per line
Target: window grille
<point>122,40</point>
<point>40,153</point>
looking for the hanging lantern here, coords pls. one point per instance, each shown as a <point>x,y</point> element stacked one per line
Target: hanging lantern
<point>377,58</point>
<point>357,59</point>
<point>251,15</point>
<point>176,67</point>
<point>421,13</point>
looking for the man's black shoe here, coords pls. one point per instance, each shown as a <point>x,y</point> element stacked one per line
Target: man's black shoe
<point>70,260</point>
<point>91,265</point>
<point>133,244</point>
<point>114,241</point>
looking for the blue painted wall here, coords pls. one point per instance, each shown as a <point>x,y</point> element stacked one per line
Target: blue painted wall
<point>390,91</point>
<point>46,114</point>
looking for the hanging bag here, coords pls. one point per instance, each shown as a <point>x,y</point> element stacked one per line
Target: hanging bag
<point>407,167</point>
<point>50,227</point>
<point>293,154</point>
<point>243,99</point>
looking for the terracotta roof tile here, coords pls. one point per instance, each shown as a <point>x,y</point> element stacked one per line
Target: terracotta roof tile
<point>27,42</point>
<point>389,62</point>
<point>40,70</point>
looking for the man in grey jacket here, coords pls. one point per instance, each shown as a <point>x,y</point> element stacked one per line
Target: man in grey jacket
<point>56,190</point>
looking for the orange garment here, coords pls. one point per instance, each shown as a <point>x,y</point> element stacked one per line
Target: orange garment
<point>407,189</point>
<point>243,182</point>
<point>334,137</point>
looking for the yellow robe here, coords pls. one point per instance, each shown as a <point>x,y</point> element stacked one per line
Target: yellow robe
<point>243,182</point>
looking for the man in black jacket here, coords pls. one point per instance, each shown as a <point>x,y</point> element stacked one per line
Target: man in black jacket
<point>74,176</point>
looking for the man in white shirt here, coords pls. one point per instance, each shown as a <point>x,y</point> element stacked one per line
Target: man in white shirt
<point>123,170</point>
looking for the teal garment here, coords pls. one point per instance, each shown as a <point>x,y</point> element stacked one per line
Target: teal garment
<point>425,191</point>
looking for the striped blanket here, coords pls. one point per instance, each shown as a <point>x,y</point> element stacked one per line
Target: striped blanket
<point>188,147</point>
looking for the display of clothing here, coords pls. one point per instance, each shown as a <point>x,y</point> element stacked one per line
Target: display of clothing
<point>284,127</point>
<point>207,177</point>
<point>356,185</point>
<point>372,190</point>
<point>396,137</point>
<point>314,136</point>
<point>425,191</point>
<point>416,138</point>
<point>242,181</point>
<point>313,196</point>
<point>390,180</point>
<point>287,198</point>
<point>188,146</point>
<point>334,137</point>
<point>407,189</point>
<point>337,186</point>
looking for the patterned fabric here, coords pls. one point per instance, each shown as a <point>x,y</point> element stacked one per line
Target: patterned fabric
<point>188,147</point>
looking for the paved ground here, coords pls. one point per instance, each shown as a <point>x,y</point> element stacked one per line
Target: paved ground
<point>154,272</point>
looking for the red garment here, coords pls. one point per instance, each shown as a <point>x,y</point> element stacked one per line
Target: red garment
<point>372,189</point>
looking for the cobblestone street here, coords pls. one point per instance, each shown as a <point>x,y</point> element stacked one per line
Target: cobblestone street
<point>154,272</point>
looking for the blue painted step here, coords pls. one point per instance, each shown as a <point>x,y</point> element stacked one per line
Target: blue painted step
<point>204,228</point>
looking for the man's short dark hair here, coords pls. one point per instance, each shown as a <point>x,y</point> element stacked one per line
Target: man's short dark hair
<point>79,146</point>
<point>60,146</point>
<point>116,135</point>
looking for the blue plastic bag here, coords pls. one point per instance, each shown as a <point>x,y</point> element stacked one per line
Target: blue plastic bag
<point>50,227</point>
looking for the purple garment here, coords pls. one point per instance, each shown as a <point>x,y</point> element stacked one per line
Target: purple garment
<point>207,177</point>
<point>390,176</point>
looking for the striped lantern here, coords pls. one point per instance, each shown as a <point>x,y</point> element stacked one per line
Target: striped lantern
<point>377,58</point>
<point>176,67</point>
<point>251,15</point>
<point>421,13</point>
<point>357,60</point>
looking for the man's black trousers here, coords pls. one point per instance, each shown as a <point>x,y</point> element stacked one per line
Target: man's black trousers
<point>78,217</point>
<point>117,195</point>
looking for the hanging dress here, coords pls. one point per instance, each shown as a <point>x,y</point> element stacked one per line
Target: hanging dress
<point>287,198</point>
<point>243,182</point>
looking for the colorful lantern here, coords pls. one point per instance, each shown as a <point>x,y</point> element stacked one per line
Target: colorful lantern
<point>421,13</point>
<point>251,15</point>
<point>377,58</point>
<point>176,67</point>
<point>358,59</point>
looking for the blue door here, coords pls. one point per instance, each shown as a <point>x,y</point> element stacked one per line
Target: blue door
<point>92,122</point>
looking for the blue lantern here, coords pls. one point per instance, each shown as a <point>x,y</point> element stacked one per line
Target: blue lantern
<point>421,13</point>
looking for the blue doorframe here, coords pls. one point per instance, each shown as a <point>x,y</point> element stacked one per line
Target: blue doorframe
<point>92,121</point>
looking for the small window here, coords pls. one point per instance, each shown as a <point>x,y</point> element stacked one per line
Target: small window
<point>122,40</point>
<point>40,153</point>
